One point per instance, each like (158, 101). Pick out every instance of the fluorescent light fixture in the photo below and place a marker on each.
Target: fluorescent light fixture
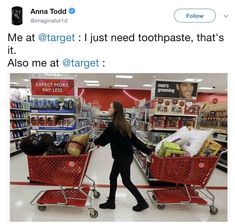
(124, 76)
(206, 88)
(121, 85)
(92, 84)
(193, 80)
(53, 75)
(26, 80)
(14, 83)
(91, 81)
(147, 85)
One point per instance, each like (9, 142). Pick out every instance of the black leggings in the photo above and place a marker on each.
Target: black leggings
(123, 167)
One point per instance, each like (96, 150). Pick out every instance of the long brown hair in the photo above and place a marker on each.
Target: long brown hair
(119, 121)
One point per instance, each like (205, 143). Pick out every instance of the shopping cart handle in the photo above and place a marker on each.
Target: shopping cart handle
(223, 152)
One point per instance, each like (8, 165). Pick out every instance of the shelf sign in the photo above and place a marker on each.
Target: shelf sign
(175, 89)
(53, 87)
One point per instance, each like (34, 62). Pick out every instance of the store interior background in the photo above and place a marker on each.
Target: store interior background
(138, 87)
(212, 91)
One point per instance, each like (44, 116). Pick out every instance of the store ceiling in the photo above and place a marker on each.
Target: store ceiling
(219, 80)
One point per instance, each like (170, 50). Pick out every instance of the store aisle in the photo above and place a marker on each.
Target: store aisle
(98, 169)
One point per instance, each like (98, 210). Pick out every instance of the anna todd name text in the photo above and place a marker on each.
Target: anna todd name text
(48, 11)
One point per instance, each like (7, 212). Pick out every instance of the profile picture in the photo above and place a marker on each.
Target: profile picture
(16, 15)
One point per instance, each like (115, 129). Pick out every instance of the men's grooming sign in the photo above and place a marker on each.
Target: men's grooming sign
(175, 89)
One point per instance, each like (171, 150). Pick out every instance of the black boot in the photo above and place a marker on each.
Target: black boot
(110, 204)
(140, 206)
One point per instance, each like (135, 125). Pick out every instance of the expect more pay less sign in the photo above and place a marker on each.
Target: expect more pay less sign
(53, 87)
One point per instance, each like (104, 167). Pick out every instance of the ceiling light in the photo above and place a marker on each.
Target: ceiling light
(14, 83)
(206, 88)
(53, 75)
(193, 80)
(92, 84)
(121, 85)
(147, 85)
(91, 81)
(124, 76)
(26, 80)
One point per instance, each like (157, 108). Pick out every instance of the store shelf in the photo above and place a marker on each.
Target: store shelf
(47, 128)
(175, 114)
(15, 152)
(27, 110)
(15, 129)
(54, 112)
(220, 130)
(18, 119)
(164, 129)
(221, 164)
(145, 141)
(219, 140)
(84, 127)
(15, 139)
(83, 118)
(144, 171)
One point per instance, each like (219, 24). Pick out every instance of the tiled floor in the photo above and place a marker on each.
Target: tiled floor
(98, 169)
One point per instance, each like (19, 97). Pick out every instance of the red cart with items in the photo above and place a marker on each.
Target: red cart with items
(190, 174)
(63, 170)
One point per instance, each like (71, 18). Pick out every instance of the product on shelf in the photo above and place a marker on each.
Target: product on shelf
(215, 119)
(19, 105)
(210, 148)
(53, 104)
(175, 106)
(172, 122)
(220, 136)
(156, 137)
(191, 108)
(52, 121)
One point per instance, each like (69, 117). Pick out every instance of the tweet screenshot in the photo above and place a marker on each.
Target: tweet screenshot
(117, 111)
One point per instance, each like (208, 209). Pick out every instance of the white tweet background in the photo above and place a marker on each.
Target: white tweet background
(116, 17)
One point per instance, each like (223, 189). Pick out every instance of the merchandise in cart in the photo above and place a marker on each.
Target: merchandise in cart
(190, 174)
(63, 170)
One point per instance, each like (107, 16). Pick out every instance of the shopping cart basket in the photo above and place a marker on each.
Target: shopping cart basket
(62, 170)
(190, 174)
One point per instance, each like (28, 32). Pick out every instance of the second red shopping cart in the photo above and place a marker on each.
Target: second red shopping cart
(190, 174)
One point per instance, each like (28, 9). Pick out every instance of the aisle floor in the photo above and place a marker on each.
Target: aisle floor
(22, 192)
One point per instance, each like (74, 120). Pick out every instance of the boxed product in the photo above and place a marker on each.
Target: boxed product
(34, 120)
(222, 137)
(170, 148)
(191, 108)
(210, 148)
(168, 106)
(42, 120)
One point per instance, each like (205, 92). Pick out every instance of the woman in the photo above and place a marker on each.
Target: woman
(119, 135)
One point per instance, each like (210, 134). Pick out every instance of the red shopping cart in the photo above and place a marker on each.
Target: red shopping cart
(62, 170)
(190, 174)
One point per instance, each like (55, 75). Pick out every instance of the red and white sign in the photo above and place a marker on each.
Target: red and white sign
(53, 87)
